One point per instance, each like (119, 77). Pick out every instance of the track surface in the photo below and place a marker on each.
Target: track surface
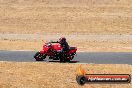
(82, 57)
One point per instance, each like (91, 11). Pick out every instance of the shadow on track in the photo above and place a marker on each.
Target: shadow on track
(65, 62)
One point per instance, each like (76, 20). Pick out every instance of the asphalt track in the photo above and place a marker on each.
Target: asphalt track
(82, 57)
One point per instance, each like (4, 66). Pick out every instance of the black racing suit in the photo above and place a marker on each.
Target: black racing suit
(65, 46)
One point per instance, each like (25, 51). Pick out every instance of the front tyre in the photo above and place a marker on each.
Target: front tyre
(39, 57)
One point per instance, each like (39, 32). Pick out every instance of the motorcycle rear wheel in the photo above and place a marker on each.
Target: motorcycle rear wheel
(62, 60)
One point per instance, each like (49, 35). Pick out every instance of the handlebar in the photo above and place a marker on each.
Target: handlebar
(54, 42)
(49, 43)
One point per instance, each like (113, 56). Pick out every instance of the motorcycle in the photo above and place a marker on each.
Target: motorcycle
(53, 51)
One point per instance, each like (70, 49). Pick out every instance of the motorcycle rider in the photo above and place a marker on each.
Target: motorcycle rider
(64, 44)
(62, 41)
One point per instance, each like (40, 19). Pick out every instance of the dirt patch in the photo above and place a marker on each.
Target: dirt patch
(66, 17)
(54, 75)
(82, 16)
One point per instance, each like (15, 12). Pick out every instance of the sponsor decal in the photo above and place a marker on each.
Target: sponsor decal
(82, 77)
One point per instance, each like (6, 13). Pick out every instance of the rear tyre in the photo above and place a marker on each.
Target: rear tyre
(67, 60)
(62, 60)
(39, 57)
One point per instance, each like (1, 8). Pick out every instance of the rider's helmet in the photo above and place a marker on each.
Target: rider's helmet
(62, 40)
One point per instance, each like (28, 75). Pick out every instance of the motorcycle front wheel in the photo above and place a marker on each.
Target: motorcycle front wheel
(39, 57)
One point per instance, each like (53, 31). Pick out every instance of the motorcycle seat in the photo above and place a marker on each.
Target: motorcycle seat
(72, 48)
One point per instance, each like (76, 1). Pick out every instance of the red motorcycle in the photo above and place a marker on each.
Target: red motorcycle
(53, 51)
